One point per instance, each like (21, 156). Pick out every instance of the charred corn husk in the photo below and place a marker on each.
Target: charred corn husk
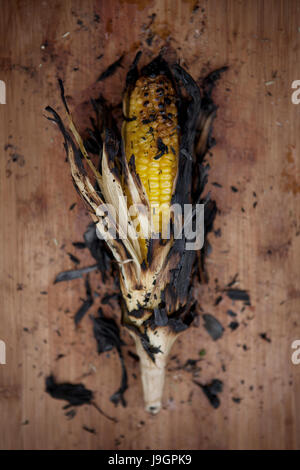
(141, 173)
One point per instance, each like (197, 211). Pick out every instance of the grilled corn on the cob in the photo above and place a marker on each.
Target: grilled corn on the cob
(149, 167)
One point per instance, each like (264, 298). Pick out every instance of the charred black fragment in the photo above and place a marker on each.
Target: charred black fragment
(233, 325)
(79, 245)
(74, 258)
(74, 394)
(213, 326)
(233, 280)
(265, 337)
(111, 69)
(238, 295)
(90, 430)
(211, 391)
(218, 300)
(87, 303)
(74, 273)
(107, 335)
(231, 313)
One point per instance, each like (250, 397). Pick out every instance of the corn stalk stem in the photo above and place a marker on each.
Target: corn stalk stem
(153, 373)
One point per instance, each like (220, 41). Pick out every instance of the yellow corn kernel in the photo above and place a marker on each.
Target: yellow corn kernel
(151, 135)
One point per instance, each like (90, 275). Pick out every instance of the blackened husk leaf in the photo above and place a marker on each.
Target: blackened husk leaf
(87, 303)
(99, 250)
(74, 394)
(107, 335)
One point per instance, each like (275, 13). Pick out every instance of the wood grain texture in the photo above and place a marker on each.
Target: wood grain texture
(257, 151)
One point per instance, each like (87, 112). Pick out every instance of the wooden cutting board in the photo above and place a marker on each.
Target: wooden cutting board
(256, 162)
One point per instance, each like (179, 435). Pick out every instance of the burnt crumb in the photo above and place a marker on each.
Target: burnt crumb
(234, 189)
(18, 158)
(25, 423)
(191, 365)
(231, 313)
(238, 295)
(217, 185)
(111, 69)
(218, 233)
(90, 430)
(265, 337)
(20, 286)
(213, 326)
(255, 204)
(15, 157)
(196, 8)
(233, 325)
(245, 347)
(73, 258)
(59, 356)
(71, 414)
(233, 280)
(236, 399)
(72, 206)
(211, 391)
(218, 300)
